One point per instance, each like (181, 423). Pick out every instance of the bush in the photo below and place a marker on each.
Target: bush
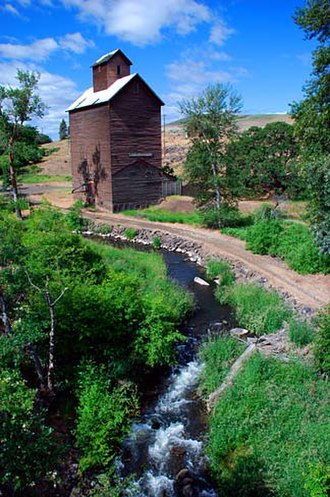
(75, 219)
(217, 268)
(28, 449)
(103, 416)
(156, 242)
(263, 237)
(227, 216)
(267, 212)
(130, 233)
(300, 332)
(258, 310)
(322, 342)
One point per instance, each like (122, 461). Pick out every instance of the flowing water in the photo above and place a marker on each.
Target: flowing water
(165, 448)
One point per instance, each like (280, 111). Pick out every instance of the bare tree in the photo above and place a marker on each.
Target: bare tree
(51, 303)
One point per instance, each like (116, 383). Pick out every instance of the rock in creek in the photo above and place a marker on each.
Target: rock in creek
(200, 281)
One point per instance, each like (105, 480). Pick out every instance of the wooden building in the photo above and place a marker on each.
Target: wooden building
(115, 130)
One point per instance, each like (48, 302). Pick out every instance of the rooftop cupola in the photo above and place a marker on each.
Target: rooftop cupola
(108, 68)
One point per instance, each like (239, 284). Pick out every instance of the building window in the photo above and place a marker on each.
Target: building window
(118, 70)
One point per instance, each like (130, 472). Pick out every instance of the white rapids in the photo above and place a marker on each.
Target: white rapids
(168, 438)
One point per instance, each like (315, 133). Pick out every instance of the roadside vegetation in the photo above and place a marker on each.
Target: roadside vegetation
(164, 216)
(269, 432)
(82, 323)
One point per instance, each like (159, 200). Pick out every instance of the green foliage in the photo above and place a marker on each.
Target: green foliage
(130, 233)
(104, 416)
(300, 332)
(218, 354)
(75, 218)
(210, 121)
(217, 268)
(263, 237)
(291, 241)
(258, 310)
(103, 229)
(318, 480)
(226, 216)
(264, 159)
(268, 429)
(312, 114)
(322, 342)
(28, 449)
(156, 242)
(164, 216)
(318, 175)
(63, 130)
(267, 212)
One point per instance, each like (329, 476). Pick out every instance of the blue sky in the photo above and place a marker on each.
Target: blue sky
(177, 46)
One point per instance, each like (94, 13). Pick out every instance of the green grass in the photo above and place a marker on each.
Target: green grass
(260, 311)
(163, 216)
(218, 355)
(301, 333)
(270, 433)
(43, 178)
(291, 241)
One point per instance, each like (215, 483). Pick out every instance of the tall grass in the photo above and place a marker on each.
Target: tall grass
(218, 355)
(163, 216)
(270, 431)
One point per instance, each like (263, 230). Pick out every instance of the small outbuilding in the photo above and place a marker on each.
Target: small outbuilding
(115, 130)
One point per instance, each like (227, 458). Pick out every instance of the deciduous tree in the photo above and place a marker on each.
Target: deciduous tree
(17, 106)
(210, 124)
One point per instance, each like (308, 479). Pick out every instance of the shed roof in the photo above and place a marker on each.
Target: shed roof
(108, 56)
(90, 98)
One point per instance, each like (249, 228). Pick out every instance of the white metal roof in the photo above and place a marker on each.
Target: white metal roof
(89, 97)
(106, 57)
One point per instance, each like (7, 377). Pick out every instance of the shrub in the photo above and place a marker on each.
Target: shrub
(322, 341)
(300, 332)
(74, 218)
(103, 229)
(258, 310)
(227, 216)
(156, 242)
(130, 233)
(267, 212)
(263, 237)
(217, 268)
(103, 416)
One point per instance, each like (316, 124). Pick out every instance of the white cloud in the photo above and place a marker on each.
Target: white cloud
(42, 49)
(220, 32)
(56, 91)
(10, 9)
(142, 22)
(75, 42)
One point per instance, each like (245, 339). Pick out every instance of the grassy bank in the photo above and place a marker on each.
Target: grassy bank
(31, 178)
(270, 432)
(164, 216)
(290, 241)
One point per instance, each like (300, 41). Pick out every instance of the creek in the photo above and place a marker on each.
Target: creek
(165, 448)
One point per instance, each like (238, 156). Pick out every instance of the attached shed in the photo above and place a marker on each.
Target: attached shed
(115, 129)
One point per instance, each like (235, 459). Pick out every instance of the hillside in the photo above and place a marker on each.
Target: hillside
(174, 151)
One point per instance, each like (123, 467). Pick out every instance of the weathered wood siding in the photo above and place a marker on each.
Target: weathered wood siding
(135, 130)
(90, 153)
(137, 185)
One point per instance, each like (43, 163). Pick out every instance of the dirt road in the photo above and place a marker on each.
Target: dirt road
(310, 290)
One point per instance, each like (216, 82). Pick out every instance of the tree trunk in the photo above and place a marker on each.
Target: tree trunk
(51, 349)
(13, 180)
(217, 192)
(4, 315)
(37, 364)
